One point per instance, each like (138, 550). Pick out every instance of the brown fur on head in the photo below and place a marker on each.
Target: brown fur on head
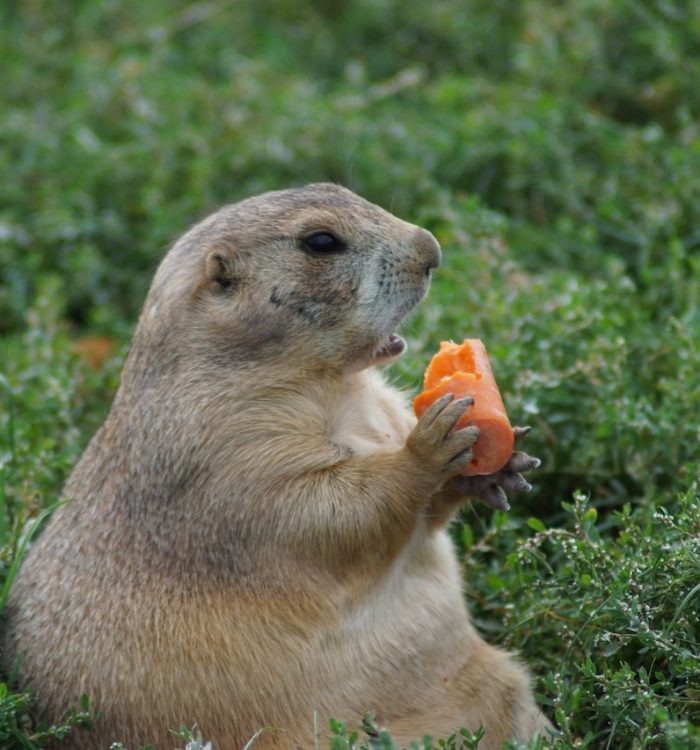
(256, 530)
(248, 286)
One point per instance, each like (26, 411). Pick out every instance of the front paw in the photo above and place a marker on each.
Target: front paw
(493, 489)
(434, 447)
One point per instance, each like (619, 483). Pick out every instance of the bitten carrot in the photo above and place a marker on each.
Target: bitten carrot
(465, 370)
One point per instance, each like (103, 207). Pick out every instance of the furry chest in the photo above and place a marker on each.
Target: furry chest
(369, 417)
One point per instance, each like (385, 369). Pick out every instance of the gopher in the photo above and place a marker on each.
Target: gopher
(256, 534)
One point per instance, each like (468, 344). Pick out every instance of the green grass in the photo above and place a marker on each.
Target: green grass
(554, 149)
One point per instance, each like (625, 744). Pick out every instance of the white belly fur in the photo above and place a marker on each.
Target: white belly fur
(411, 625)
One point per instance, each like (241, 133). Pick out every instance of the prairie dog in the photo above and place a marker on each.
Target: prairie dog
(256, 532)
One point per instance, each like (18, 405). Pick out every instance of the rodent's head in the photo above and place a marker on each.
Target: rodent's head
(314, 276)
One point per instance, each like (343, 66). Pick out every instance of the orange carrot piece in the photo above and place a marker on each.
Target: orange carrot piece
(465, 370)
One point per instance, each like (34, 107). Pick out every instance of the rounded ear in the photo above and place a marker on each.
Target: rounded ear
(221, 271)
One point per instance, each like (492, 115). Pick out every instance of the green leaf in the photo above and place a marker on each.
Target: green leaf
(22, 549)
(467, 536)
(536, 524)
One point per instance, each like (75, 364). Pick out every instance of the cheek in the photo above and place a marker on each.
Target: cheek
(323, 296)
(240, 330)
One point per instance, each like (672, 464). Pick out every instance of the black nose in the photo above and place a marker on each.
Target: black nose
(429, 250)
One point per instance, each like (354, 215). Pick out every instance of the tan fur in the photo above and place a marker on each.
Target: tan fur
(250, 539)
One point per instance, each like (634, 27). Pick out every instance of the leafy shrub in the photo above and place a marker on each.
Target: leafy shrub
(608, 611)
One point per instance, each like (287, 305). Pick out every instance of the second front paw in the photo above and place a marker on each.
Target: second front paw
(493, 489)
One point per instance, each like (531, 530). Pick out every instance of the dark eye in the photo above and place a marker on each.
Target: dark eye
(322, 242)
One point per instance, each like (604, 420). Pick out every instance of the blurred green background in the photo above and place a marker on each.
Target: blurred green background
(552, 147)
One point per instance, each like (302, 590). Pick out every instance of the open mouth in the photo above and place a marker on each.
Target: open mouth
(389, 347)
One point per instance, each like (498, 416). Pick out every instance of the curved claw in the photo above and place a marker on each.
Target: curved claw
(521, 432)
(513, 483)
(522, 462)
(495, 497)
(488, 489)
